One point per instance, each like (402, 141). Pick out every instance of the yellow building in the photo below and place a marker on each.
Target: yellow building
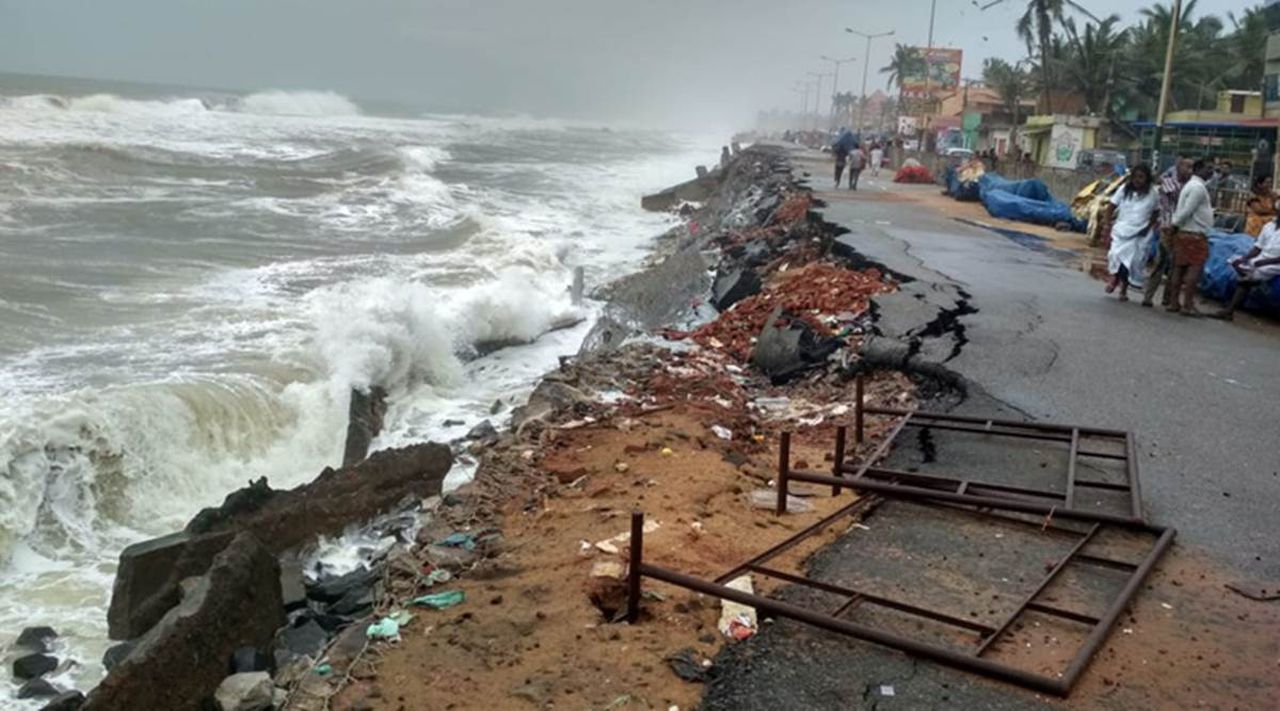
(1233, 106)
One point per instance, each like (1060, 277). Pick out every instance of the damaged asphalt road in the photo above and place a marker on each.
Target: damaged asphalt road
(1029, 336)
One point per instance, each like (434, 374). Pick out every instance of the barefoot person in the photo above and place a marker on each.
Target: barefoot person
(1255, 267)
(1171, 184)
(877, 158)
(857, 161)
(1134, 214)
(1191, 223)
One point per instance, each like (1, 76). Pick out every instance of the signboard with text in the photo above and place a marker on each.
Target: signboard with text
(942, 66)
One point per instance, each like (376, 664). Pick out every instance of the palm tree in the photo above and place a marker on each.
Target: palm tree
(1092, 65)
(1249, 47)
(1011, 82)
(906, 62)
(1036, 27)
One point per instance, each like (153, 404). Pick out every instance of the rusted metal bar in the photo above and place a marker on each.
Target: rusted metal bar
(778, 608)
(786, 545)
(838, 459)
(847, 605)
(914, 492)
(858, 408)
(1131, 461)
(922, 421)
(1071, 467)
(1090, 484)
(1048, 427)
(953, 484)
(634, 565)
(876, 600)
(1013, 616)
(1098, 635)
(784, 469)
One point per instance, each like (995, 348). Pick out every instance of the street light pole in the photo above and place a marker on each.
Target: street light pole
(1175, 24)
(866, 62)
(817, 99)
(835, 84)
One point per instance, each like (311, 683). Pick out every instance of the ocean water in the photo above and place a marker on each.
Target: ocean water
(192, 282)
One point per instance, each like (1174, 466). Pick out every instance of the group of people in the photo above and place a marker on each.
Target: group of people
(1181, 208)
(849, 153)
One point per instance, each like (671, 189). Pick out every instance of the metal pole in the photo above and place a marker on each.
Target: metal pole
(862, 100)
(633, 565)
(1175, 23)
(838, 465)
(784, 472)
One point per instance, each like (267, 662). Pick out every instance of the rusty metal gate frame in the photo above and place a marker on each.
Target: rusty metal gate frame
(870, 477)
(940, 491)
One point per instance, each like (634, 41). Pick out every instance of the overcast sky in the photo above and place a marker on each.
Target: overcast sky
(686, 62)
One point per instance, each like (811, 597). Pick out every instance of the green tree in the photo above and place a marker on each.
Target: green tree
(1092, 62)
(1012, 83)
(1036, 26)
(1248, 47)
(906, 62)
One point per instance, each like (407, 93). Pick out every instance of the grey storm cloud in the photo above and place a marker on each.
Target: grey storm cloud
(667, 61)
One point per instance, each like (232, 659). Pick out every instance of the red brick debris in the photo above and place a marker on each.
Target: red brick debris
(819, 293)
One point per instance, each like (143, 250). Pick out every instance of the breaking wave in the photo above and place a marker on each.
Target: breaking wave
(267, 103)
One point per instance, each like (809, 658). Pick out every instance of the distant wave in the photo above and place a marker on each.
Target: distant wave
(297, 103)
(269, 103)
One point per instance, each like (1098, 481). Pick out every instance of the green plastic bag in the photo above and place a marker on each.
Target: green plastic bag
(440, 600)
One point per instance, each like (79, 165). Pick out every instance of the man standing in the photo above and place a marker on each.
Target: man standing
(877, 158)
(1192, 221)
(1170, 188)
(857, 161)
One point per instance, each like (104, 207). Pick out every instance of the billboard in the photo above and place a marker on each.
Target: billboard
(943, 66)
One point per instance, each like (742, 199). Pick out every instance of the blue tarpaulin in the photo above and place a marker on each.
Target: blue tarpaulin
(1218, 281)
(966, 191)
(1024, 201)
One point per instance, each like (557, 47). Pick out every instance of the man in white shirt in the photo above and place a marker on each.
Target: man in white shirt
(1191, 222)
(1255, 267)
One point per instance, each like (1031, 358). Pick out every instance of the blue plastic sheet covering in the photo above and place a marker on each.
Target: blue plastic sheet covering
(1031, 189)
(1218, 281)
(1025, 201)
(967, 191)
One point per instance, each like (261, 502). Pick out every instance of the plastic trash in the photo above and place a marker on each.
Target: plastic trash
(324, 669)
(385, 628)
(460, 540)
(437, 575)
(886, 690)
(722, 432)
(738, 621)
(441, 600)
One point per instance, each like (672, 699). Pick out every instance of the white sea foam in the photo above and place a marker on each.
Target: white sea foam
(298, 103)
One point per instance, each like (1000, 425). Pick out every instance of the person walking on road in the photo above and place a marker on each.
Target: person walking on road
(1171, 184)
(857, 161)
(1134, 214)
(877, 159)
(844, 143)
(1192, 221)
(1255, 267)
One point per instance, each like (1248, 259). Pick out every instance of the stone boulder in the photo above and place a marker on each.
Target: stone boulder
(250, 691)
(732, 286)
(66, 701)
(184, 657)
(783, 352)
(36, 639)
(364, 422)
(148, 581)
(37, 689)
(33, 666)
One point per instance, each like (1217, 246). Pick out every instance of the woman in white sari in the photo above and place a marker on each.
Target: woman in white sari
(1134, 213)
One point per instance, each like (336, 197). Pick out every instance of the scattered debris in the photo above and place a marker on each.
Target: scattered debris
(737, 621)
(441, 600)
(687, 666)
(1254, 590)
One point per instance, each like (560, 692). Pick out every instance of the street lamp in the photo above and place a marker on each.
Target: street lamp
(866, 62)
(817, 98)
(835, 84)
